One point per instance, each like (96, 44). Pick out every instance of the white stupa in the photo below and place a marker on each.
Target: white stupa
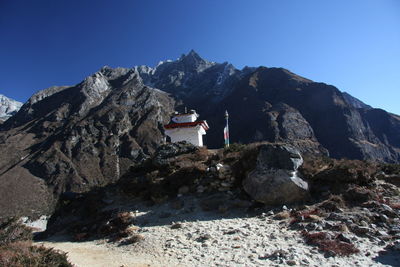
(184, 127)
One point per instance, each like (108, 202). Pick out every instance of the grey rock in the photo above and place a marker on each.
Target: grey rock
(337, 217)
(176, 226)
(344, 237)
(274, 180)
(203, 238)
(384, 218)
(360, 230)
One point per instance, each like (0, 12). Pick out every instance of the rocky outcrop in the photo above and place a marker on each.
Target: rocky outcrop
(274, 180)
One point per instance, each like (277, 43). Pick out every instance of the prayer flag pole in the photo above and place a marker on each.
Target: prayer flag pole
(226, 129)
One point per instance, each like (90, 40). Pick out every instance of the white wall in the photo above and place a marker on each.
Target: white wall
(193, 135)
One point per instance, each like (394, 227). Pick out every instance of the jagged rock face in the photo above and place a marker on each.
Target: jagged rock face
(8, 107)
(75, 138)
(274, 104)
(193, 80)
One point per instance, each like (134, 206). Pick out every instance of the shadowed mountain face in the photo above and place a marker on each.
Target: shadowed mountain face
(73, 138)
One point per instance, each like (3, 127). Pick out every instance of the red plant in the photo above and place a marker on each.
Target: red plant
(395, 205)
(386, 201)
(326, 243)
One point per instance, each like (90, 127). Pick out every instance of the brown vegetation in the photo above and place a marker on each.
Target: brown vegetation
(328, 171)
(333, 204)
(16, 249)
(133, 239)
(329, 244)
(305, 215)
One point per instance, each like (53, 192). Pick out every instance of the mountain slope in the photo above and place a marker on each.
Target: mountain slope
(337, 126)
(83, 136)
(340, 123)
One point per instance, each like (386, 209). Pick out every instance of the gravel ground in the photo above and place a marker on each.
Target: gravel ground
(190, 236)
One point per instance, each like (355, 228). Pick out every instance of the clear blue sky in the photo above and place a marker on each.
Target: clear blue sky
(354, 45)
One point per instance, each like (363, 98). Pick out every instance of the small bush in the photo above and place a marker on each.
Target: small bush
(11, 231)
(117, 227)
(235, 147)
(333, 204)
(305, 215)
(16, 249)
(22, 253)
(390, 168)
(395, 206)
(136, 238)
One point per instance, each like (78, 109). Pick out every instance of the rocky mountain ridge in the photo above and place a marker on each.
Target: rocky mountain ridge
(74, 138)
(341, 125)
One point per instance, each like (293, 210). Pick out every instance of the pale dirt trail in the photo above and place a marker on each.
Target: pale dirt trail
(94, 254)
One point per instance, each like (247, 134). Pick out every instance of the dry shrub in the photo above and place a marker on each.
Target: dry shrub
(202, 154)
(235, 147)
(395, 206)
(11, 231)
(391, 169)
(133, 239)
(359, 194)
(22, 253)
(313, 165)
(333, 204)
(16, 249)
(381, 199)
(242, 162)
(305, 215)
(117, 226)
(336, 176)
(326, 243)
(327, 170)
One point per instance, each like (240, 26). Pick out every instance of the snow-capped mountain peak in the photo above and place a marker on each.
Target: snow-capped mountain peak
(8, 107)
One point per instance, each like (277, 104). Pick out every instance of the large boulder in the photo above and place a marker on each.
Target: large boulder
(274, 180)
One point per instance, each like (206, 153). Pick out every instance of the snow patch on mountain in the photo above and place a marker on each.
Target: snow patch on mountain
(8, 107)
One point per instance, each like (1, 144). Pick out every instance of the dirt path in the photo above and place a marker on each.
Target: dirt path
(96, 254)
